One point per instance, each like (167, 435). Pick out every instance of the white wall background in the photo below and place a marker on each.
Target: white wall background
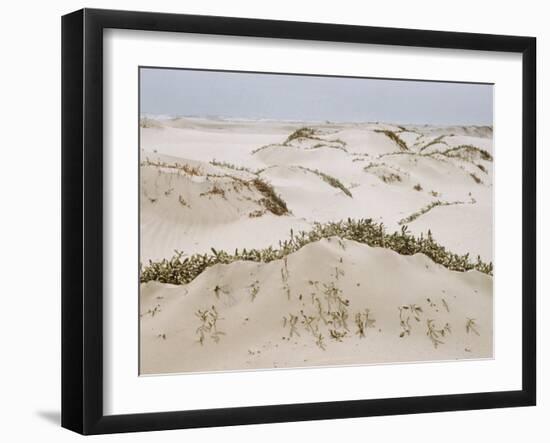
(30, 218)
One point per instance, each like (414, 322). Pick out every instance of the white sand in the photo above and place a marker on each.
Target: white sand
(180, 211)
(254, 334)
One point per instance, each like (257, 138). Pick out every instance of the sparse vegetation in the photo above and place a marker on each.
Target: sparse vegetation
(254, 289)
(188, 169)
(476, 178)
(154, 311)
(471, 326)
(261, 148)
(182, 201)
(214, 190)
(363, 321)
(284, 277)
(218, 290)
(256, 213)
(434, 142)
(394, 137)
(435, 334)
(331, 144)
(233, 167)
(291, 322)
(429, 207)
(417, 187)
(332, 181)
(208, 325)
(385, 172)
(390, 178)
(180, 270)
(302, 133)
(468, 153)
(405, 314)
(482, 168)
(337, 335)
(272, 202)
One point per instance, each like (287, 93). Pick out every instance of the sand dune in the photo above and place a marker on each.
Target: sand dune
(251, 303)
(227, 185)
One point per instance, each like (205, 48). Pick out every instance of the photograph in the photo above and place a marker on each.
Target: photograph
(293, 221)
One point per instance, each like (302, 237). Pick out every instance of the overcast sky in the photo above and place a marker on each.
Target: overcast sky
(178, 92)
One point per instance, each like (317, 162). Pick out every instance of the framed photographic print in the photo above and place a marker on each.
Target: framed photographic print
(269, 221)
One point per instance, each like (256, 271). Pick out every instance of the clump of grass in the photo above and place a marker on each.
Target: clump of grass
(336, 313)
(311, 325)
(435, 334)
(337, 335)
(256, 213)
(329, 179)
(219, 289)
(482, 168)
(476, 178)
(313, 134)
(386, 173)
(272, 202)
(333, 313)
(291, 322)
(254, 289)
(232, 166)
(471, 326)
(183, 202)
(214, 190)
(320, 341)
(405, 314)
(394, 137)
(208, 325)
(334, 299)
(390, 178)
(154, 311)
(338, 272)
(468, 153)
(180, 270)
(304, 132)
(363, 321)
(188, 169)
(417, 187)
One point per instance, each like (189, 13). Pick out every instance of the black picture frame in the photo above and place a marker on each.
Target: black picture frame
(82, 219)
